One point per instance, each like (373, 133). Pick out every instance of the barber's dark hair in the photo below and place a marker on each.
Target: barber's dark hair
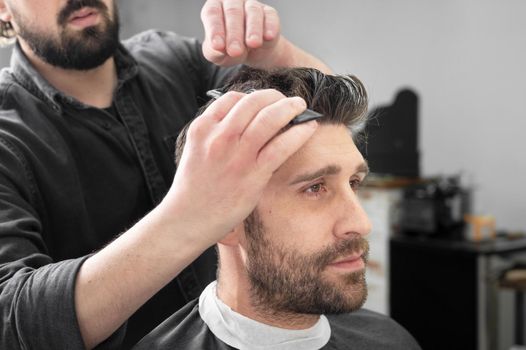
(6, 30)
(342, 99)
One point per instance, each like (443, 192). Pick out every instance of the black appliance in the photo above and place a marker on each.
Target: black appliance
(391, 135)
(434, 206)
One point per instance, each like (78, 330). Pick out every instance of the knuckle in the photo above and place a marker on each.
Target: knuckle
(222, 144)
(232, 98)
(215, 115)
(264, 98)
(211, 9)
(253, 6)
(268, 119)
(195, 129)
(232, 11)
(270, 10)
(275, 93)
(271, 157)
(234, 95)
(214, 148)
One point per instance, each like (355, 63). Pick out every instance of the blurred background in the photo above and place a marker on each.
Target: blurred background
(463, 63)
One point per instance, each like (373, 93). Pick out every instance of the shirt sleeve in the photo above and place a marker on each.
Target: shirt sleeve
(37, 306)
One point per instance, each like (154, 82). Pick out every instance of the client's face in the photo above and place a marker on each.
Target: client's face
(305, 245)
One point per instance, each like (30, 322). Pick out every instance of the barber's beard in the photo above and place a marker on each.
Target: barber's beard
(75, 49)
(284, 281)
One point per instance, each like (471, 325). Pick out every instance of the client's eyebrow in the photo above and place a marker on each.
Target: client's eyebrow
(328, 170)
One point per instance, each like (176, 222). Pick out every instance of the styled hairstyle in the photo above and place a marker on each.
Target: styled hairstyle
(342, 99)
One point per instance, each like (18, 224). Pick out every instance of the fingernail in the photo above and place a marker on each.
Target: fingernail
(218, 42)
(269, 34)
(253, 37)
(235, 46)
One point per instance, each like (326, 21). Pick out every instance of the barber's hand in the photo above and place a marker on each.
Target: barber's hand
(241, 32)
(230, 154)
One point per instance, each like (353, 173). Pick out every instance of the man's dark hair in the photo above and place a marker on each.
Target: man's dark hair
(342, 99)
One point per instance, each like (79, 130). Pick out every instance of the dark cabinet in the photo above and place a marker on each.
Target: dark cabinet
(445, 292)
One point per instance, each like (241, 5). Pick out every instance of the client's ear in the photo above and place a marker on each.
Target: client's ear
(232, 238)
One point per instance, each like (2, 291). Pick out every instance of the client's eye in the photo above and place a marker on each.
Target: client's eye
(315, 189)
(355, 184)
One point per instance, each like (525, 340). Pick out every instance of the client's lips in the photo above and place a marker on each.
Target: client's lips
(351, 262)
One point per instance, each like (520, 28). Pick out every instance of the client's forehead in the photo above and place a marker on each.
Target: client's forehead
(330, 145)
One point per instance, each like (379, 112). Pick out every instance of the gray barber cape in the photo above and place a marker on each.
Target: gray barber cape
(362, 329)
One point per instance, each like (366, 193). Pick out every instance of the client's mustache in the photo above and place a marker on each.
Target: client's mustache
(75, 5)
(341, 249)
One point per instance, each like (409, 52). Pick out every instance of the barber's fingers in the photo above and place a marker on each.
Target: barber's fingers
(234, 27)
(281, 147)
(269, 121)
(271, 29)
(214, 25)
(246, 110)
(261, 24)
(221, 107)
(234, 15)
(254, 24)
(214, 114)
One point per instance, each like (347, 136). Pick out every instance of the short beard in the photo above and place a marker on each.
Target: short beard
(284, 281)
(84, 50)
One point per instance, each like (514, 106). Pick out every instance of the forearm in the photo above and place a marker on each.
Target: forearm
(115, 282)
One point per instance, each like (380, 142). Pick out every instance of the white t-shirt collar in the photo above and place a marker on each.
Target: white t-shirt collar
(244, 333)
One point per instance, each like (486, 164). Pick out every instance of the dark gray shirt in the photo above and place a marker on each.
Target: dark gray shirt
(361, 330)
(72, 177)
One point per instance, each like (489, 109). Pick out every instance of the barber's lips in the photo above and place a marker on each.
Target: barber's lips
(84, 17)
(349, 263)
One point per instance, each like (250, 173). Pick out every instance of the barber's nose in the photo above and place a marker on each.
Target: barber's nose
(352, 218)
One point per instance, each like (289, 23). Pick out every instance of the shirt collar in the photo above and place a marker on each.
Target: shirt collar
(35, 83)
(244, 333)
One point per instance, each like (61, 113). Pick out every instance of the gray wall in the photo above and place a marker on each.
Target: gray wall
(466, 59)
(181, 16)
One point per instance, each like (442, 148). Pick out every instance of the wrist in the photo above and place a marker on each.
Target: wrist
(283, 54)
(184, 226)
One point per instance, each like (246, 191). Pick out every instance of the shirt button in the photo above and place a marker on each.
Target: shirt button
(106, 125)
